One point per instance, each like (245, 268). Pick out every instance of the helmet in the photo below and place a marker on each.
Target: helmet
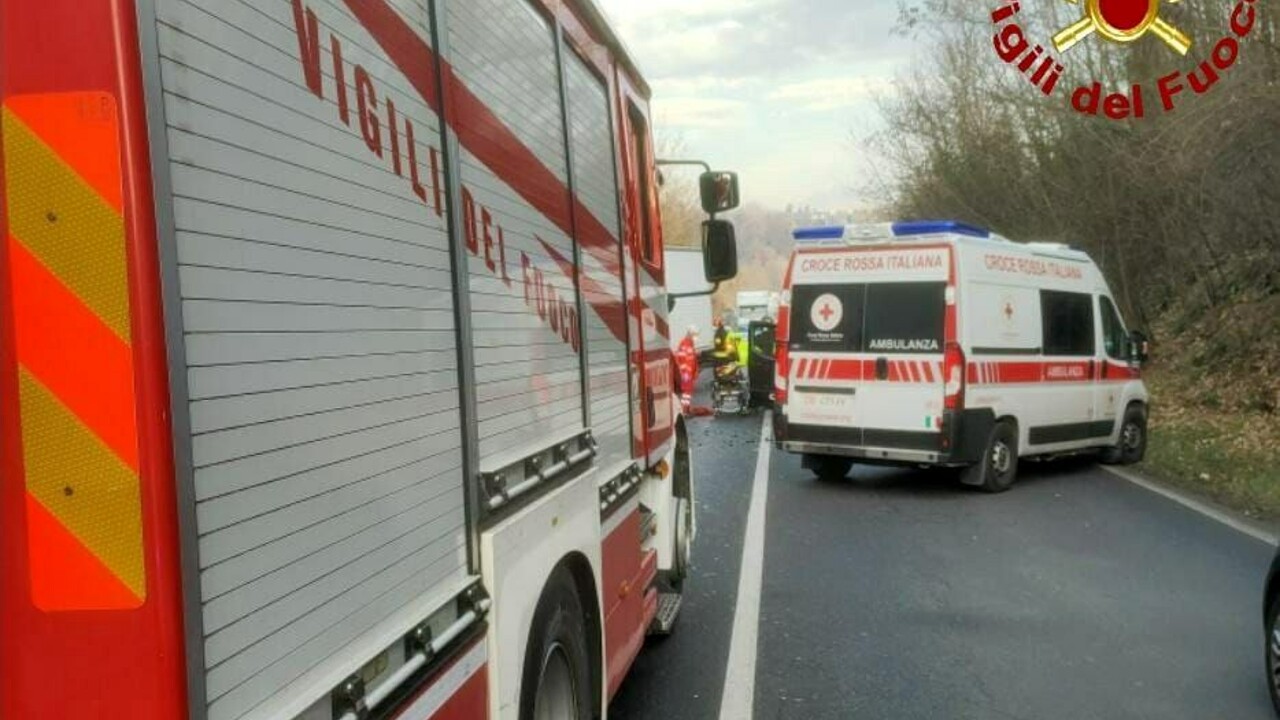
(693, 331)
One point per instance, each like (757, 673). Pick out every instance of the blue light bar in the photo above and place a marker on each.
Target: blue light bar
(830, 232)
(935, 227)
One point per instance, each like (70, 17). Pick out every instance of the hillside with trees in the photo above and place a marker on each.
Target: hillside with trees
(1181, 209)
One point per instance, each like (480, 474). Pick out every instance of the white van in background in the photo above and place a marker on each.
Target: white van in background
(753, 306)
(940, 344)
(685, 276)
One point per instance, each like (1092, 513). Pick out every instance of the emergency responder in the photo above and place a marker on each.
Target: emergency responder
(722, 348)
(687, 363)
(721, 337)
(731, 345)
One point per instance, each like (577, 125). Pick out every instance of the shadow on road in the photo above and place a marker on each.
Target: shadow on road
(927, 482)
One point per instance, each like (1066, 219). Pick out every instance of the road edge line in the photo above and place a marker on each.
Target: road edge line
(737, 702)
(1223, 517)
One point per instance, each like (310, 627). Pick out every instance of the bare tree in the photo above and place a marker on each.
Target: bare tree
(1181, 209)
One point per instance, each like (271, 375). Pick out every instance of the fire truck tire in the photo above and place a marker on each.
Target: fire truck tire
(998, 468)
(672, 581)
(556, 682)
(830, 468)
(1133, 439)
(683, 545)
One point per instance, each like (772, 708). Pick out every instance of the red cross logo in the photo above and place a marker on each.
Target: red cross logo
(826, 312)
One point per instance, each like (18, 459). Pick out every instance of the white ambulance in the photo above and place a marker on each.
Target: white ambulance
(941, 344)
(335, 376)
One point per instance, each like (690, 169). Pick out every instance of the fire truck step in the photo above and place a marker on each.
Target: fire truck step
(648, 524)
(668, 610)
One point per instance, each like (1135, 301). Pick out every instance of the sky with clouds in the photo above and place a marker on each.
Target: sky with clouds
(775, 89)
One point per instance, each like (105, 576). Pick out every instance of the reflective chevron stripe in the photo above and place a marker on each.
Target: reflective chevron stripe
(70, 295)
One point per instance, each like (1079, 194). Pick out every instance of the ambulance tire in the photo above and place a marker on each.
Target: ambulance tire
(557, 681)
(1133, 439)
(998, 468)
(832, 469)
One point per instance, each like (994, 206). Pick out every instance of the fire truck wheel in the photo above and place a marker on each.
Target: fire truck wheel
(1133, 439)
(832, 469)
(672, 581)
(556, 683)
(999, 465)
(684, 545)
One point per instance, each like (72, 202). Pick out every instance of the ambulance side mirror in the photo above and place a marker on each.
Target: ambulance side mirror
(719, 251)
(719, 191)
(1139, 347)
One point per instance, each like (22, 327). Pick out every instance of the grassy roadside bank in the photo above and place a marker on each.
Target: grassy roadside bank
(1215, 387)
(1232, 458)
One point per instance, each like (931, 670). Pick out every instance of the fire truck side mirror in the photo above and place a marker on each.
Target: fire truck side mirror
(719, 251)
(1139, 347)
(719, 191)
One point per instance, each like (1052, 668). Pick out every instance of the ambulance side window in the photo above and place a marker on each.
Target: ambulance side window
(1068, 323)
(1114, 337)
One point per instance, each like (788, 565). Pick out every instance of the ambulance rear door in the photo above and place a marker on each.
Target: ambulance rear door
(866, 351)
(826, 368)
(903, 339)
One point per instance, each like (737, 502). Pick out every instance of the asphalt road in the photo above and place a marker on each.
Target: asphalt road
(682, 676)
(899, 594)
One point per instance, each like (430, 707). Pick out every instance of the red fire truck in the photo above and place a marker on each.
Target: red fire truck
(334, 365)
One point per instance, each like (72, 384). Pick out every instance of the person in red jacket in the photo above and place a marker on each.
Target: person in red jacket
(687, 365)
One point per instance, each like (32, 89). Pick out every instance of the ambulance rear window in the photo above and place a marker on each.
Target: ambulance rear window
(880, 318)
(905, 317)
(827, 318)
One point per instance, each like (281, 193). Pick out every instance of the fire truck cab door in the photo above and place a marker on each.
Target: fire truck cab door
(647, 296)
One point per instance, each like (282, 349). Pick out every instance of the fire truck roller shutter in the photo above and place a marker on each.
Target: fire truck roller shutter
(595, 181)
(318, 337)
(523, 302)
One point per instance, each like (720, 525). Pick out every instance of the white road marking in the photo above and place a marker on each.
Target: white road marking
(1209, 511)
(740, 675)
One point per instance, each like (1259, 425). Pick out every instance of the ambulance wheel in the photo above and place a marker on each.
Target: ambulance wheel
(831, 469)
(556, 681)
(1133, 439)
(999, 465)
